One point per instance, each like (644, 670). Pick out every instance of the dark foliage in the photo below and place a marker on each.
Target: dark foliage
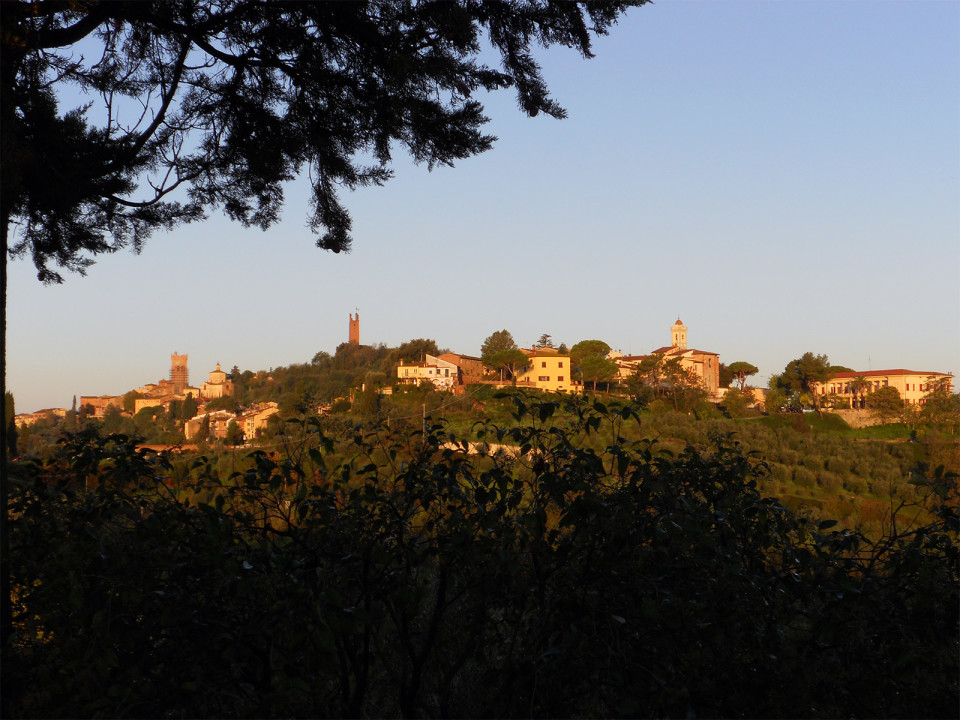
(386, 574)
(197, 104)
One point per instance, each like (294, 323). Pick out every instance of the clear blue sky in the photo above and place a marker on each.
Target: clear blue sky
(783, 176)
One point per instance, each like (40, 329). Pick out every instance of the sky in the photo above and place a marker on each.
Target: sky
(783, 177)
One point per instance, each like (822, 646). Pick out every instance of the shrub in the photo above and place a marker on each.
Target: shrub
(804, 477)
(831, 482)
(855, 485)
(381, 572)
(340, 405)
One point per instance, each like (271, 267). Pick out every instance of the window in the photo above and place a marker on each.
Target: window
(560, 378)
(544, 378)
(560, 365)
(543, 364)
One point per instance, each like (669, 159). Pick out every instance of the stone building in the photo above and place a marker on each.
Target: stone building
(100, 403)
(705, 364)
(218, 386)
(179, 374)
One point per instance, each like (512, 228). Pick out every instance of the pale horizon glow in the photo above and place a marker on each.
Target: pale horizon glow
(781, 176)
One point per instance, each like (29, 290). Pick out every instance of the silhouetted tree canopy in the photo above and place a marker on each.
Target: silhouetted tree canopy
(192, 105)
(592, 574)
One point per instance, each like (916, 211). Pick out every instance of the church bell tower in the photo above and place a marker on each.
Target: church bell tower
(678, 335)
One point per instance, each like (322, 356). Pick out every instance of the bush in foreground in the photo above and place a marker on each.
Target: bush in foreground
(388, 573)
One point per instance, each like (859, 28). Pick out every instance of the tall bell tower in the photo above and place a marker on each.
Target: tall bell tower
(678, 335)
(179, 375)
(354, 336)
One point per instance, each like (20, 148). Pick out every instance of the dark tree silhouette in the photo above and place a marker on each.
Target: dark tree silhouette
(196, 105)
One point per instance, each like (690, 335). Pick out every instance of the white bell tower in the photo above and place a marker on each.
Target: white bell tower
(678, 335)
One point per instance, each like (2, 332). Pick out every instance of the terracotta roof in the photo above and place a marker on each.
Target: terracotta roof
(460, 355)
(880, 373)
(542, 352)
(677, 322)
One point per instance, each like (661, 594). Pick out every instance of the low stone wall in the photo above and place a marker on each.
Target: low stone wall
(857, 418)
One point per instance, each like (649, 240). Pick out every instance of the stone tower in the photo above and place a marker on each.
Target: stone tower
(354, 337)
(678, 335)
(179, 375)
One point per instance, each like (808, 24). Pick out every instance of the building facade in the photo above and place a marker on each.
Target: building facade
(549, 371)
(100, 403)
(471, 369)
(443, 374)
(853, 387)
(705, 364)
(354, 334)
(218, 386)
(179, 374)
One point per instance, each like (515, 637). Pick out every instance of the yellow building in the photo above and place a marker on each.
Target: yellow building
(912, 385)
(706, 365)
(549, 371)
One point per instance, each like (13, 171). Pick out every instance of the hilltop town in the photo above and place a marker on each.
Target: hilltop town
(237, 407)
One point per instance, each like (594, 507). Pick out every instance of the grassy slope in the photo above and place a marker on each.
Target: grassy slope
(816, 465)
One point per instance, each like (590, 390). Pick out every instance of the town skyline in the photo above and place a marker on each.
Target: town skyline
(354, 336)
(781, 176)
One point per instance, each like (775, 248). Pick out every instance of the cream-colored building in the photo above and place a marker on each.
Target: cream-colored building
(549, 371)
(218, 421)
(913, 385)
(251, 422)
(443, 374)
(705, 364)
(218, 386)
(255, 421)
(25, 419)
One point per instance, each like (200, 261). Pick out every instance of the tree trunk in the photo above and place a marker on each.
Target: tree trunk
(6, 600)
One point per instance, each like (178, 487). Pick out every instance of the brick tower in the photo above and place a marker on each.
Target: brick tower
(354, 337)
(179, 375)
